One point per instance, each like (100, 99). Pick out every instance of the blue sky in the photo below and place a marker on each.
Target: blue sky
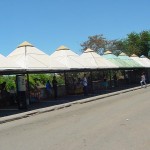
(47, 24)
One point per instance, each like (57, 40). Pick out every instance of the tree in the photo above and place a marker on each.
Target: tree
(96, 43)
(135, 43)
(100, 44)
(145, 42)
(119, 46)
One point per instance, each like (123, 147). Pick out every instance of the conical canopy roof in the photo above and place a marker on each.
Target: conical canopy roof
(145, 60)
(92, 60)
(107, 52)
(133, 55)
(25, 43)
(62, 47)
(114, 59)
(67, 57)
(2, 57)
(129, 61)
(138, 60)
(8, 65)
(32, 59)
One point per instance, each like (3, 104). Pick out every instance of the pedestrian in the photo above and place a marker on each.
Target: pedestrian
(48, 89)
(3, 86)
(127, 78)
(54, 83)
(37, 91)
(85, 85)
(143, 80)
(3, 90)
(115, 80)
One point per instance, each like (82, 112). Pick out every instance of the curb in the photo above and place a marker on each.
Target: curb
(61, 106)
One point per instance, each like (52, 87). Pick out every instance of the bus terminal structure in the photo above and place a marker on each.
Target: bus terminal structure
(104, 72)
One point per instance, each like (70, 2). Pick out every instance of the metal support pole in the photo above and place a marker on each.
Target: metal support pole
(110, 78)
(65, 82)
(91, 82)
(28, 88)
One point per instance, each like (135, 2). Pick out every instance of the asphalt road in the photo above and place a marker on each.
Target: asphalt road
(120, 122)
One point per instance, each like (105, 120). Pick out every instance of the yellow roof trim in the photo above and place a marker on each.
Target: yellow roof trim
(122, 54)
(107, 52)
(25, 43)
(134, 55)
(88, 50)
(62, 47)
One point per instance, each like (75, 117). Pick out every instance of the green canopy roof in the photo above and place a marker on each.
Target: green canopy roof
(116, 60)
(131, 63)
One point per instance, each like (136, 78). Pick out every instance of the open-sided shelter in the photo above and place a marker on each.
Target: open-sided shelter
(140, 61)
(129, 61)
(116, 60)
(92, 60)
(7, 66)
(32, 59)
(67, 57)
(145, 60)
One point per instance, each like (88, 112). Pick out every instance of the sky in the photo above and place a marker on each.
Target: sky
(48, 24)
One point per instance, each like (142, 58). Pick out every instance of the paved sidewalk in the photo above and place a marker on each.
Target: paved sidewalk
(51, 105)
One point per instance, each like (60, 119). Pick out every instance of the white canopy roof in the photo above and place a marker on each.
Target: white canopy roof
(140, 61)
(67, 57)
(145, 60)
(92, 60)
(6, 65)
(32, 59)
(2, 57)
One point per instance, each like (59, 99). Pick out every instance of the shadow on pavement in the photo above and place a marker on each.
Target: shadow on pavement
(11, 110)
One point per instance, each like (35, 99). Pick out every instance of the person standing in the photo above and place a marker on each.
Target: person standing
(48, 89)
(115, 80)
(54, 83)
(85, 85)
(3, 87)
(143, 80)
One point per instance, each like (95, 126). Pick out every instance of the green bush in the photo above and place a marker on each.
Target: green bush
(10, 81)
(34, 79)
